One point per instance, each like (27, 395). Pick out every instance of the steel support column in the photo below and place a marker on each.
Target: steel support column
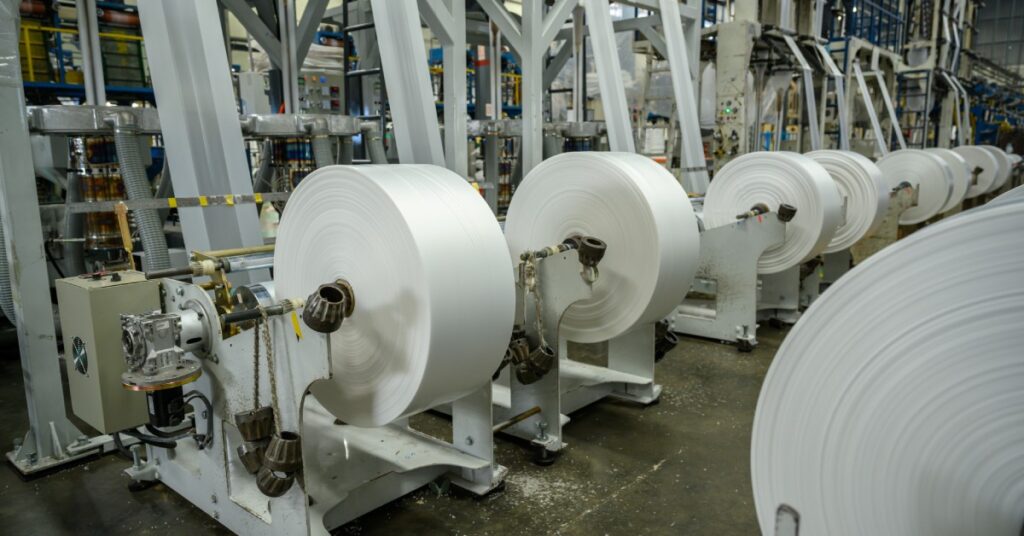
(447, 20)
(19, 216)
(403, 59)
(609, 76)
(693, 166)
(199, 120)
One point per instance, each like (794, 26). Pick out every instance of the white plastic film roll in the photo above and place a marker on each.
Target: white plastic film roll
(1011, 194)
(641, 212)
(961, 175)
(431, 276)
(978, 157)
(895, 405)
(863, 187)
(925, 170)
(1004, 169)
(772, 179)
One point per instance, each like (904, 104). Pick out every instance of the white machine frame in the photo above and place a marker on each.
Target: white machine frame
(348, 470)
(728, 270)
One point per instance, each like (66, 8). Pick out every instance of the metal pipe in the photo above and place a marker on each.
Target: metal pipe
(516, 419)
(322, 154)
(234, 252)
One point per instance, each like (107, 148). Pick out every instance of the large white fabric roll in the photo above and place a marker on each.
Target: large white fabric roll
(925, 170)
(895, 405)
(978, 157)
(433, 285)
(961, 175)
(1004, 167)
(865, 191)
(771, 179)
(638, 208)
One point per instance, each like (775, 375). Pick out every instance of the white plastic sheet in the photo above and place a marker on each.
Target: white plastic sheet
(771, 179)
(864, 189)
(895, 405)
(641, 212)
(432, 280)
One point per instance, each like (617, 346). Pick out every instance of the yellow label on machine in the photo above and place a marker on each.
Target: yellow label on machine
(229, 200)
(295, 325)
(172, 202)
(203, 201)
(258, 197)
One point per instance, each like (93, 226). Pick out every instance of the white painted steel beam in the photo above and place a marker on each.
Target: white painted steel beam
(609, 76)
(199, 121)
(694, 173)
(19, 215)
(403, 60)
(447, 19)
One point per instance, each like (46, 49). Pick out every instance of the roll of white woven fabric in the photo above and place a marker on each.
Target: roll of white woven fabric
(863, 188)
(641, 212)
(979, 158)
(773, 178)
(961, 175)
(922, 169)
(433, 285)
(1004, 170)
(895, 406)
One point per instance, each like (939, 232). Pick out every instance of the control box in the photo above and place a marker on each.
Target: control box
(90, 312)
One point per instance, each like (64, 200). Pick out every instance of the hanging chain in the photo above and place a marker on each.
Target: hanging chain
(256, 366)
(271, 369)
(533, 287)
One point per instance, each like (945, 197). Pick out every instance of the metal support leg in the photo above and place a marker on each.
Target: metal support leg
(780, 296)
(722, 304)
(33, 318)
(876, 127)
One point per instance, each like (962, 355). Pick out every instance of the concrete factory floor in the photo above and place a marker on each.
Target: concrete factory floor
(679, 467)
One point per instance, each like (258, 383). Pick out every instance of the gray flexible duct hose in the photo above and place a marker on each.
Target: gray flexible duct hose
(74, 227)
(322, 154)
(347, 151)
(6, 298)
(136, 185)
(374, 143)
(262, 182)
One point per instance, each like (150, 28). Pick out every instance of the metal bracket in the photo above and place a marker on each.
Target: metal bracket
(722, 302)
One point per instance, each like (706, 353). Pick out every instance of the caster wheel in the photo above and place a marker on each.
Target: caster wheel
(744, 346)
(544, 457)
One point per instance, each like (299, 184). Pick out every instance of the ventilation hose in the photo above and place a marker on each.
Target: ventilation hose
(322, 154)
(136, 185)
(373, 143)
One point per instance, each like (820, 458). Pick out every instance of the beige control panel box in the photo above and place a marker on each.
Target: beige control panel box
(90, 312)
